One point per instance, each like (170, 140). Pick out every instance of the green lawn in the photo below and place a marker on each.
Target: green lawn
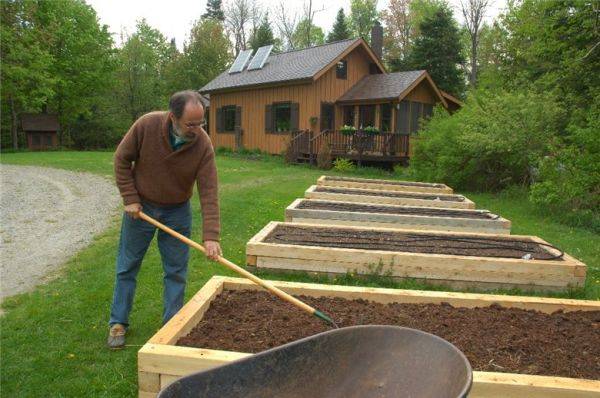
(53, 339)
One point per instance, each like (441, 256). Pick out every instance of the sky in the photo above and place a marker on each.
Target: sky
(174, 18)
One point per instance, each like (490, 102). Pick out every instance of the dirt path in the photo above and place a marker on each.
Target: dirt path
(47, 215)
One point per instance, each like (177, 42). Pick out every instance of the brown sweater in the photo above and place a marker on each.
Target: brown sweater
(147, 168)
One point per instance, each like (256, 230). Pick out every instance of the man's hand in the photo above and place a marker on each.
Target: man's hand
(213, 249)
(133, 210)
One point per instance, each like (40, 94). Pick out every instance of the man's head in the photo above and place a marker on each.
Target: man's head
(186, 113)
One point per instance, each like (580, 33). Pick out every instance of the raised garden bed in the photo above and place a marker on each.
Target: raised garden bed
(374, 196)
(389, 216)
(389, 185)
(482, 261)
(511, 338)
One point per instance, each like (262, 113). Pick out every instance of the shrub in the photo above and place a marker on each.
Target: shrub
(324, 159)
(568, 183)
(495, 141)
(343, 165)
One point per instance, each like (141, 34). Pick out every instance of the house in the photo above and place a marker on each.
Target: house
(41, 130)
(305, 96)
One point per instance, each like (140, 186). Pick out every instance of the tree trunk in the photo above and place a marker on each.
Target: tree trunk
(13, 125)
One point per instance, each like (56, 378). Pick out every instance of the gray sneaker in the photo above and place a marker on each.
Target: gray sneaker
(116, 336)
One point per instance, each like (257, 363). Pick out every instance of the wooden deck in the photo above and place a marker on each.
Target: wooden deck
(360, 146)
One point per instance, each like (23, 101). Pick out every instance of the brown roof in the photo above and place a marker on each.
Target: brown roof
(451, 98)
(381, 86)
(39, 122)
(292, 66)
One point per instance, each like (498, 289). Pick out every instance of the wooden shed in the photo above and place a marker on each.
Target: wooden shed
(41, 130)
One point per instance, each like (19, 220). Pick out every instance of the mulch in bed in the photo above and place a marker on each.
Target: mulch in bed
(388, 182)
(393, 194)
(494, 339)
(417, 211)
(396, 241)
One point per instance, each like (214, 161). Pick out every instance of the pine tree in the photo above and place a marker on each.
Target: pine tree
(263, 35)
(214, 10)
(437, 49)
(340, 29)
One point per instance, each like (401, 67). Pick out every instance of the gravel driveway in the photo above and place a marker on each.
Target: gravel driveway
(47, 216)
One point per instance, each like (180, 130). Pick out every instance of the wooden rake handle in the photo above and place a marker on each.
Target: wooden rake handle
(276, 291)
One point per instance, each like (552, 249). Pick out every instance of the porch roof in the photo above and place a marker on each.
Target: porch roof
(381, 86)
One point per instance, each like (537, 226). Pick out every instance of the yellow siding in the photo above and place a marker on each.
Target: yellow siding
(309, 97)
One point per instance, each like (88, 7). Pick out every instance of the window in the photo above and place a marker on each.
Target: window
(341, 69)
(403, 117)
(228, 115)
(415, 114)
(327, 115)
(36, 139)
(349, 115)
(366, 116)
(282, 117)
(386, 117)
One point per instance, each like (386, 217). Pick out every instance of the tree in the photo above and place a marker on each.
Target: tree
(263, 35)
(315, 37)
(340, 29)
(206, 55)
(142, 61)
(286, 24)
(398, 30)
(26, 82)
(214, 10)
(473, 11)
(239, 15)
(438, 50)
(363, 14)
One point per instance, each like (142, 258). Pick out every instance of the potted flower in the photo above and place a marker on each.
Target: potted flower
(348, 130)
(370, 130)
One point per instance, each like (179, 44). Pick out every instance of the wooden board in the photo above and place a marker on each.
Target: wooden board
(311, 193)
(386, 220)
(386, 185)
(472, 271)
(163, 363)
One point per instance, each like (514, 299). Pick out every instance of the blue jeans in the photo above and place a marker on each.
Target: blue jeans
(136, 236)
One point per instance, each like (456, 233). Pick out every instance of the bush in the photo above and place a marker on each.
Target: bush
(494, 141)
(343, 165)
(324, 159)
(289, 153)
(569, 181)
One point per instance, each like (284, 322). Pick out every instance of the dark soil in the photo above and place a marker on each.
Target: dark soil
(494, 339)
(418, 211)
(416, 242)
(387, 182)
(392, 194)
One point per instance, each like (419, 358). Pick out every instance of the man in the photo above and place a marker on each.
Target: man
(156, 165)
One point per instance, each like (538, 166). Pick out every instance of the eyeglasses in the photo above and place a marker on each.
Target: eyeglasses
(196, 125)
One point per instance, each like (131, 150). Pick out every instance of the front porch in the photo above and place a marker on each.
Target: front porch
(392, 148)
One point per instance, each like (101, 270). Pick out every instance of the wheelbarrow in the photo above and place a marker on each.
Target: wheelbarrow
(359, 361)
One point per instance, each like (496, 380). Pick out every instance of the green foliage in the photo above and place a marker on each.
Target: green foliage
(370, 130)
(340, 29)
(438, 50)
(263, 35)
(205, 56)
(214, 10)
(307, 35)
(569, 180)
(347, 130)
(363, 14)
(343, 165)
(494, 142)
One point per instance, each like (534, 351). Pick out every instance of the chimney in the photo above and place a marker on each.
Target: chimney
(377, 39)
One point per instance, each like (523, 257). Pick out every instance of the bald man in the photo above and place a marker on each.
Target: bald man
(156, 166)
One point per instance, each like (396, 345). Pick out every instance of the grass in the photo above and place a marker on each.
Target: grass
(53, 339)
